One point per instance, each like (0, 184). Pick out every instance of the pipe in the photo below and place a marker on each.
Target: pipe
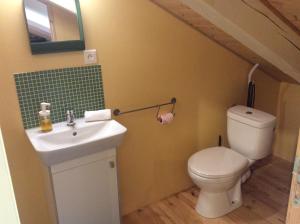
(251, 72)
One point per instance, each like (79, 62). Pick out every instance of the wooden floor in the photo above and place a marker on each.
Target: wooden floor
(265, 197)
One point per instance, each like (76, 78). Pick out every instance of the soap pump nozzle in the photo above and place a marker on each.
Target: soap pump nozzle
(45, 107)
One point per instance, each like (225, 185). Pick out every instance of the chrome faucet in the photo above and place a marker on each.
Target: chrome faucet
(70, 118)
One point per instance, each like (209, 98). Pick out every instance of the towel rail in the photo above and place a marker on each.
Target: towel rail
(117, 112)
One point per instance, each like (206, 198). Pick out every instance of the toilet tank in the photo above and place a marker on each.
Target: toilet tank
(250, 131)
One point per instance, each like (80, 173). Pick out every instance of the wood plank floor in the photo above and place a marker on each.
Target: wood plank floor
(265, 197)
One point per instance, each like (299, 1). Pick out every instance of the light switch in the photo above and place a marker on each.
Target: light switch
(90, 56)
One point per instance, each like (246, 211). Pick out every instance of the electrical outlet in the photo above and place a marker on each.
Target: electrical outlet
(90, 56)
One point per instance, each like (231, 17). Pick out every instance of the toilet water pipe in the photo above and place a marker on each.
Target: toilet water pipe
(251, 72)
(251, 87)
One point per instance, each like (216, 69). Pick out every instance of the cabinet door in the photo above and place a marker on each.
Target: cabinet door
(87, 194)
(293, 214)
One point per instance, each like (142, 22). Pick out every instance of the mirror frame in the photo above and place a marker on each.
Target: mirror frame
(59, 46)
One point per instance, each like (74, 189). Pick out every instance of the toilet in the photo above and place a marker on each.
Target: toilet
(220, 171)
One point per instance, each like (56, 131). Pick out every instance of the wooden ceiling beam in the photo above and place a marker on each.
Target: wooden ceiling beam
(287, 11)
(193, 18)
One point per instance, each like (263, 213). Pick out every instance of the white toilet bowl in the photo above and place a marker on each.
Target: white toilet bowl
(217, 172)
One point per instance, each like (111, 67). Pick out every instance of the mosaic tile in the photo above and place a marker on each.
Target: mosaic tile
(77, 89)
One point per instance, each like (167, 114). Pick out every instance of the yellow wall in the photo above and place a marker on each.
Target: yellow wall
(267, 92)
(288, 121)
(147, 56)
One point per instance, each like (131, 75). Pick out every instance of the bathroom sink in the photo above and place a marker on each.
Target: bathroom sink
(67, 143)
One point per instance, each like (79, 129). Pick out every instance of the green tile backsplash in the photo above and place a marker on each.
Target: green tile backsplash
(79, 89)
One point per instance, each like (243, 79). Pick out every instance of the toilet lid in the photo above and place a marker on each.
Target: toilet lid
(217, 162)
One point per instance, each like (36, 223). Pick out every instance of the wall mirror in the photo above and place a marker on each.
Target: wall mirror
(54, 25)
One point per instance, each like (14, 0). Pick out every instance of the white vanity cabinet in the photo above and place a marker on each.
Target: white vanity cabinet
(86, 189)
(81, 170)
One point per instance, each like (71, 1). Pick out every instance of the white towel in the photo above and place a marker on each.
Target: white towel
(98, 115)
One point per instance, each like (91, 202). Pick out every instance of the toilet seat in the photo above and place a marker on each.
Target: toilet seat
(217, 163)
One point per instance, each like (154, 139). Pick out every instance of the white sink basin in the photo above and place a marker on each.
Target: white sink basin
(67, 143)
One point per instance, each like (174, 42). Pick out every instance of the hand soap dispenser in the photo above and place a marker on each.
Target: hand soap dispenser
(44, 116)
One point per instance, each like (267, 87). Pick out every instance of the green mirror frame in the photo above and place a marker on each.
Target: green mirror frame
(59, 46)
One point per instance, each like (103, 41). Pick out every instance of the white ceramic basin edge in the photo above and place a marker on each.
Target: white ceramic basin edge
(66, 143)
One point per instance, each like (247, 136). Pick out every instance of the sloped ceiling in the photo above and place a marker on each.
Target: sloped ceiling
(287, 10)
(260, 31)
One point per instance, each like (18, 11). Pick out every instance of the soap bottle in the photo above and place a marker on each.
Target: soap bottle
(44, 117)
